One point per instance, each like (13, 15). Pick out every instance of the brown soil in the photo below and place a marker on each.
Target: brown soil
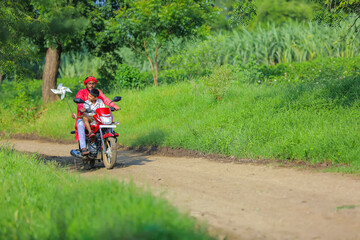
(238, 200)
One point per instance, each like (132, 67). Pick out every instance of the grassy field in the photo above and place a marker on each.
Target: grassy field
(288, 92)
(315, 121)
(43, 201)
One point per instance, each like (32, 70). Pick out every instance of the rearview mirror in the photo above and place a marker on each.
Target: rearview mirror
(116, 99)
(78, 100)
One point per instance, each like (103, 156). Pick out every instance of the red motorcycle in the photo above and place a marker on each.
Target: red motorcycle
(102, 147)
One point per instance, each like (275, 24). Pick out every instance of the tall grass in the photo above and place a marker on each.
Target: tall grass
(290, 42)
(40, 201)
(74, 65)
(269, 45)
(311, 114)
(310, 121)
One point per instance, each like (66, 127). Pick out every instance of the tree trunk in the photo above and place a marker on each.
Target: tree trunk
(51, 68)
(156, 79)
(152, 70)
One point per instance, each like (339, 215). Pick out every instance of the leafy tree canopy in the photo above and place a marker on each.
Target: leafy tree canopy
(161, 20)
(140, 24)
(276, 11)
(15, 50)
(58, 22)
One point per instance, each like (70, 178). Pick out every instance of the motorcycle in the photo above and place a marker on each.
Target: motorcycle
(102, 147)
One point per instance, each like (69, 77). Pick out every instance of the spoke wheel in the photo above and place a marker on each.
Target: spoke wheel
(110, 155)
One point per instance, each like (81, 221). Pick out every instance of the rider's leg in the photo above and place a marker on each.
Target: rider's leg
(87, 123)
(81, 132)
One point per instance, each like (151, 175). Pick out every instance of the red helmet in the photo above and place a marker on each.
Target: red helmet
(90, 78)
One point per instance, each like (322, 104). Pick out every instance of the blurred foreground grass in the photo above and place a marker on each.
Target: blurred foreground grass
(42, 201)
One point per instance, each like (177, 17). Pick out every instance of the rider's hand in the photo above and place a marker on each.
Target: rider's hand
(74, 116)
(82, 110)
(117, 108)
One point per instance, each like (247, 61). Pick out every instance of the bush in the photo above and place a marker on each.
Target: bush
(280, 11)
(23, 100)
(129, 77)
(250, 72)
(312, 71)
(108, 69)
(219, 81)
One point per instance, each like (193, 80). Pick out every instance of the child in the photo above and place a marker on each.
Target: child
(90, 107)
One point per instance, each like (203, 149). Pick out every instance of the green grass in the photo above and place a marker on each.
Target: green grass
(313, 122)
(250, 122)
(309, 114)
(43, 201)
(290, 42)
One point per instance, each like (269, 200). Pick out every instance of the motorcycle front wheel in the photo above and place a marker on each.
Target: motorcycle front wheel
(110, 155)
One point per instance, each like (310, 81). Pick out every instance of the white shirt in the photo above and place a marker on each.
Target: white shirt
(91, 108)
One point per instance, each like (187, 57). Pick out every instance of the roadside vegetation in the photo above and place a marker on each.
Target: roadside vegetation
(261, 79)
(296, 111)
(44, 201)
(212, 99)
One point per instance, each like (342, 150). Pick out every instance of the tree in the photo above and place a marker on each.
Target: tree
(147, 25)
(221, 19)
(276, 11)
(328, 11)
(348, 6)
(244, 12)
(14, 48)
(101, 42)
(57, 25)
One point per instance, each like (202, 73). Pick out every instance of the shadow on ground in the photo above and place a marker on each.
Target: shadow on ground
(124, 159)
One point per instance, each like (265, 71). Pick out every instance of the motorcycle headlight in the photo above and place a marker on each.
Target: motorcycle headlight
(106, 120)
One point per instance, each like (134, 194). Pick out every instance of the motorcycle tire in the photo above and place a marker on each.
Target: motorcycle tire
(110, 157)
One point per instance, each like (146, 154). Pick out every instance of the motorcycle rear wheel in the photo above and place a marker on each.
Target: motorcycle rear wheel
(110, 156)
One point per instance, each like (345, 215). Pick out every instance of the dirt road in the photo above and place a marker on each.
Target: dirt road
(241, 201)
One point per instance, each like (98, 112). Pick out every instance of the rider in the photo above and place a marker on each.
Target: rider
(91, 105)
(90, 83)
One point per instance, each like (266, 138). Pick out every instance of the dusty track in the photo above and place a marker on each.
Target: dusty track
(240, 200)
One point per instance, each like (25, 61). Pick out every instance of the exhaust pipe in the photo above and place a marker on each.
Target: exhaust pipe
(76, 154)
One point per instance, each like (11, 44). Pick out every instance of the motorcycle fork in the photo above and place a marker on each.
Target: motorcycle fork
(102, 140)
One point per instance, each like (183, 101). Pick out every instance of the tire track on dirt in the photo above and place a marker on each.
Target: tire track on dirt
(241, 201)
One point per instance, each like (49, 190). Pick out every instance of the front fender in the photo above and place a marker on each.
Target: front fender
(106, 135)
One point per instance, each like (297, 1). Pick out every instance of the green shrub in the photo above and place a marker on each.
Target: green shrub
(312, 71)
(23, 100)
(281, 11)
(177, 74)
(218, 82)
(198, 58)
(250, 72)
(129, 77)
